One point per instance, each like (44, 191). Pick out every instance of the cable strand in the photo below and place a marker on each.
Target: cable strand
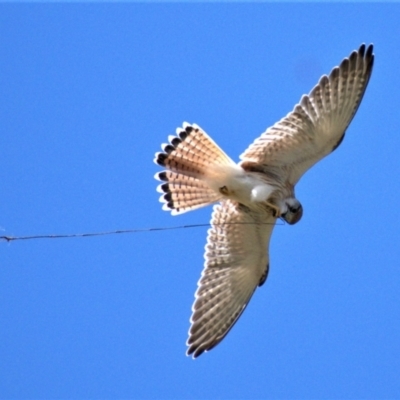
(116, 232)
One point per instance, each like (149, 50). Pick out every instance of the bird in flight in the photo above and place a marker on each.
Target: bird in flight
(253, 193)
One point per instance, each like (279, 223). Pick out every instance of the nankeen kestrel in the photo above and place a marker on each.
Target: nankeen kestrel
(253, 193)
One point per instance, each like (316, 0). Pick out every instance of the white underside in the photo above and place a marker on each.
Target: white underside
(261, 192)
(243, 187)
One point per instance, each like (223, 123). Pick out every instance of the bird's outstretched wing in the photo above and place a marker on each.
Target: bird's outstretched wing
(318, 123)
(236, 262)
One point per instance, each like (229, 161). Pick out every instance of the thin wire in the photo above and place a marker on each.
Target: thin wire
(79, 235)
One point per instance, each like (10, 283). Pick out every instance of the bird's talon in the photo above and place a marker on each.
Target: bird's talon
(276, 212)
(224, 190)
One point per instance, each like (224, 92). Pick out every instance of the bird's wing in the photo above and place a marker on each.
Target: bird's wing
(236, 262)
(318, 123)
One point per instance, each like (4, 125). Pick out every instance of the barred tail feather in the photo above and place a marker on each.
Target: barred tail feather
(191, 152)
(181, 193)
(190, 157)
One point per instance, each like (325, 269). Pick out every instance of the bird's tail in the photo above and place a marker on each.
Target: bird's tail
(189, 158)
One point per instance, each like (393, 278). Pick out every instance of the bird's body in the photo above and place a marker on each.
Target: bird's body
(254, 192)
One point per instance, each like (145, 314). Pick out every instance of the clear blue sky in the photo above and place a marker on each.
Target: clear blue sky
(88, 94)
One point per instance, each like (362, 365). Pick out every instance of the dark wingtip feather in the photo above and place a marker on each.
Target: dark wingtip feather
(264, 276)
(324, 81)
(335, 73)
(353, 59)
(194, 352)
(370, 49)
(370, 56)
(345, 64)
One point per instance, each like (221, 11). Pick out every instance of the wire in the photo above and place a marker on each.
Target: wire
(91, 234)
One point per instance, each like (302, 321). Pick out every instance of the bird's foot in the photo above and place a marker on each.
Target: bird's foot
(224, 190)
(276, 211)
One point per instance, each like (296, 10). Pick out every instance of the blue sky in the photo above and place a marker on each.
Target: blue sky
(88, 94)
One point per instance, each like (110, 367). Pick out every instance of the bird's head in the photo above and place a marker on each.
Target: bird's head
(294, 211)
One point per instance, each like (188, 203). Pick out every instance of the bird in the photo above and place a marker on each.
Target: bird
(253, 194)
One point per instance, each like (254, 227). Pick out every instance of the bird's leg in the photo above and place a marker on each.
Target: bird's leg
(224, 190)
(276, 211)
